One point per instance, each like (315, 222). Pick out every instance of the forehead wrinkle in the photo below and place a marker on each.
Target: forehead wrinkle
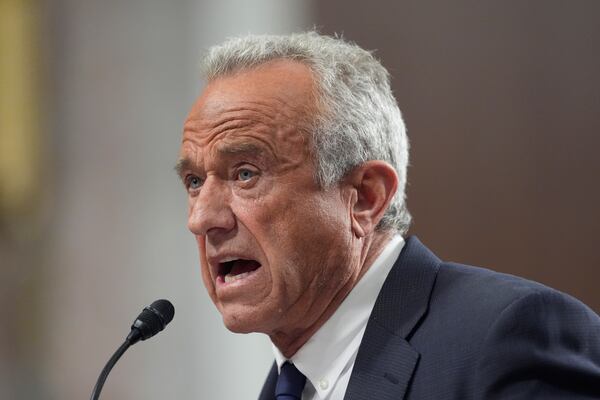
(231, 120)
(217, 114)
(245, 145)
(214, 127)
(229, 126)
(215, 109)
(296, 114)
(237, 148)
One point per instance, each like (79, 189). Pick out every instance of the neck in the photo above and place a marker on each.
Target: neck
(290, 342)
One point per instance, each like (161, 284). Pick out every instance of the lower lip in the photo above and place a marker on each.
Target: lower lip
(250, 278)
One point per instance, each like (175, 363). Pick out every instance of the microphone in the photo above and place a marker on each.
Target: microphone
(151, 320)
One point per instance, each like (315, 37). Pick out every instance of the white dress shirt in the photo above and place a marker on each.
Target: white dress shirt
(327, 358)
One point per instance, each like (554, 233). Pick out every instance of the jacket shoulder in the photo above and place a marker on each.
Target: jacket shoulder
(482, 289)
(470, 299)
(484, 326)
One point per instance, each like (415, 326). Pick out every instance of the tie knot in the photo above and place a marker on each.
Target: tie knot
(290, 383)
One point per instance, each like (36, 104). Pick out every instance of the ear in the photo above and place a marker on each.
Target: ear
(375, 183)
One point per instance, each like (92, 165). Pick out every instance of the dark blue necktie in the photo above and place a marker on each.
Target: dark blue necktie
(290, 383)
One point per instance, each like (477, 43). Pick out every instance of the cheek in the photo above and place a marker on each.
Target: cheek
(324, 234)
(323, 220)
(310, 234)
(206, 277)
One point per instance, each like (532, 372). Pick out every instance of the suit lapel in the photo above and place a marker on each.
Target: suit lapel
(386, 361)
(383, 367)
(268, 389)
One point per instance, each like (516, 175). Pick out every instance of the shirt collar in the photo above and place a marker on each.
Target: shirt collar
(325, 355)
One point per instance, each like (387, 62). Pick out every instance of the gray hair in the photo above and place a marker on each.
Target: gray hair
(360, 119)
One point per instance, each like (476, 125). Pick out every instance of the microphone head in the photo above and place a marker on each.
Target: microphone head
(152, 320)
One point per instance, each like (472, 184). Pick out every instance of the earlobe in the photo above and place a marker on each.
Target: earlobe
(375, 183)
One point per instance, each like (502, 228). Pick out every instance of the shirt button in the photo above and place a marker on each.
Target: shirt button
(323, 384)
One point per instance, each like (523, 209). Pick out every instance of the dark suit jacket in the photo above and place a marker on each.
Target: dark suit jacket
(448, 331)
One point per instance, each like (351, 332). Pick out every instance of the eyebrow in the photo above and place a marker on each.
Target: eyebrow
(226, 150)
(182, 164)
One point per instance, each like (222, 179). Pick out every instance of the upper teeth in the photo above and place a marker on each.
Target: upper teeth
(227, 259)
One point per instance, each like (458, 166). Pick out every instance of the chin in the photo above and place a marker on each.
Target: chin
(236, 325)
(243, 322)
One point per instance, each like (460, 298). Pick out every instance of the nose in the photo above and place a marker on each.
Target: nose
(210, 211)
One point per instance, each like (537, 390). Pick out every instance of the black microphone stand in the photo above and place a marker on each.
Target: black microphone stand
(152, 320)
(108, 367)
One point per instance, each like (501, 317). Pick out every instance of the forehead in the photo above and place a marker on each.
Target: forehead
(273, 99)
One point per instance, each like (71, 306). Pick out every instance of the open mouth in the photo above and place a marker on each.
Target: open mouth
(233, 270)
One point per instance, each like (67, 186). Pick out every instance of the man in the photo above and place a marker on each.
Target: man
(294, 159)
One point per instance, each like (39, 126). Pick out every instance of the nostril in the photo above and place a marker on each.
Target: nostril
(212, 224)
(206, 217)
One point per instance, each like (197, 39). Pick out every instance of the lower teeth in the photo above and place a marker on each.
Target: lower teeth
(232, 278)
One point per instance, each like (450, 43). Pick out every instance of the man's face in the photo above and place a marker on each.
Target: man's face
(275, 248)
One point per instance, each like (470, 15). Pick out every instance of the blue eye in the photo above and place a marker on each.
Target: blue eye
(245, 174)
(194, 182)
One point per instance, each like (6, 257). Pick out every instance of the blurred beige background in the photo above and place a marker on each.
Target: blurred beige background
(502, 104)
